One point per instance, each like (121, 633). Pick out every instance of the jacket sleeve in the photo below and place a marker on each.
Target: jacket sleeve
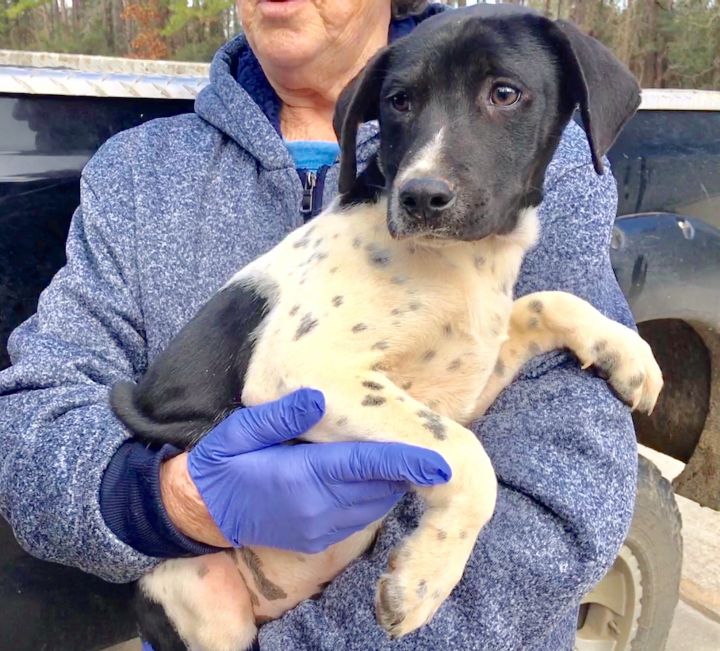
(57, 432)
(564, 452)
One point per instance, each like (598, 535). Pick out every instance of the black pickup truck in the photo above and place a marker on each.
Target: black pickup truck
(666, 255)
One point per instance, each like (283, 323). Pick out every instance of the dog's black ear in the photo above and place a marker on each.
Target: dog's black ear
(606, 90)
(357, 103)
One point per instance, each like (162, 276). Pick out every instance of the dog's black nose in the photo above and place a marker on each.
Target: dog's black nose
(425, 197)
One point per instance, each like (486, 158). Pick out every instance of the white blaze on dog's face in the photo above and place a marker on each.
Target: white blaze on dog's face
(422, 187)
(471, 111)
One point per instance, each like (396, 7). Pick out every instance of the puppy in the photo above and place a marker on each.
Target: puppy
(397, 304)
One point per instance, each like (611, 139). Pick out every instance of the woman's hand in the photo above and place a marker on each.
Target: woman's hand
(238, 486)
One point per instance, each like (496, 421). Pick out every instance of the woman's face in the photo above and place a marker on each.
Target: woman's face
(290, 33)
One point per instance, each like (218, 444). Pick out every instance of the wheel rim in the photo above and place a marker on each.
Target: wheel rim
(610, 613)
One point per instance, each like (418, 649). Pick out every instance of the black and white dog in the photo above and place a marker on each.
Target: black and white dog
(397, 303)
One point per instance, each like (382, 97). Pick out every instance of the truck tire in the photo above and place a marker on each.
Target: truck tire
(632, 607)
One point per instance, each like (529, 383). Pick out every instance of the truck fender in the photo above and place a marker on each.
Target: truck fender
(668, 266)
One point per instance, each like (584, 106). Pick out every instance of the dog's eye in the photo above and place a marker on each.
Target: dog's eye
(400, 102)
(504, 95)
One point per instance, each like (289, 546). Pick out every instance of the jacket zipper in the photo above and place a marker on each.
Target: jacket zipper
(313, 184)
(308, 199)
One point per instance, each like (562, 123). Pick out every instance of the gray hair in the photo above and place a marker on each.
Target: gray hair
(405, 8)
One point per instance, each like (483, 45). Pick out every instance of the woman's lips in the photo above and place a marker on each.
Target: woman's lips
(279, 8)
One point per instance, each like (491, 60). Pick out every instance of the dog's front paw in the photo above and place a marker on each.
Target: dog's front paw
(411, 591)
(627, 362)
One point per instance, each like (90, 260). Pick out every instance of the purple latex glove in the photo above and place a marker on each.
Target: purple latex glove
(302, 497)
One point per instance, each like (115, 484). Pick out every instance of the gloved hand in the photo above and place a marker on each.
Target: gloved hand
(302, 497)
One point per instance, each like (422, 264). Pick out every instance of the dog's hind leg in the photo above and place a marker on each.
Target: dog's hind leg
(546, 321)
(199, 603)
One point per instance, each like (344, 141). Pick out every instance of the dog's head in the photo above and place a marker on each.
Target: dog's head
(471, 107)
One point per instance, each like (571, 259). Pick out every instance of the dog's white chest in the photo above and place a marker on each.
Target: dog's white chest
(430, 318)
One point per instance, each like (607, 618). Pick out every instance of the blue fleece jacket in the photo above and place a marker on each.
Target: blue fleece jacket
(168, 212)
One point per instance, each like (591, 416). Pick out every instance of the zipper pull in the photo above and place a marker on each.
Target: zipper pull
(306, 210)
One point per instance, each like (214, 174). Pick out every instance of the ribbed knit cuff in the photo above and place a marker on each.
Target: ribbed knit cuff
(132, 507)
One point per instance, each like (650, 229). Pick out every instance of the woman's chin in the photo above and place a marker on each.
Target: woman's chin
(286, 47)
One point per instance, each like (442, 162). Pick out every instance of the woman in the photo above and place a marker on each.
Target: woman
(168, 212)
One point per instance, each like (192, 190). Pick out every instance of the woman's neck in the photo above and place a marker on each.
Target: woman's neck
(309, 93)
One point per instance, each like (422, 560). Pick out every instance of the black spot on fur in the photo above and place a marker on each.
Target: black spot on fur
(434, 423)
(294, 310)
(441, 535)
(455, 364)
(396, 312)
(357, 243)
(373, 401)
(448, 329)
(337, 301)
(373, 386)
(533, 323)
(381, 345)
(359, 327)
(428, 355)
(536, 306)
(479, 262)
(534, 348)
(267, 588)
(333, 270)
(607, 362)
(378, 257)
(414, 306)
(463, 534)
(407, 386)
(318, 242)
(599, 346)
(302, 243)
(202, 571)
(307, 323)
(342, 421)
(399, 280)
